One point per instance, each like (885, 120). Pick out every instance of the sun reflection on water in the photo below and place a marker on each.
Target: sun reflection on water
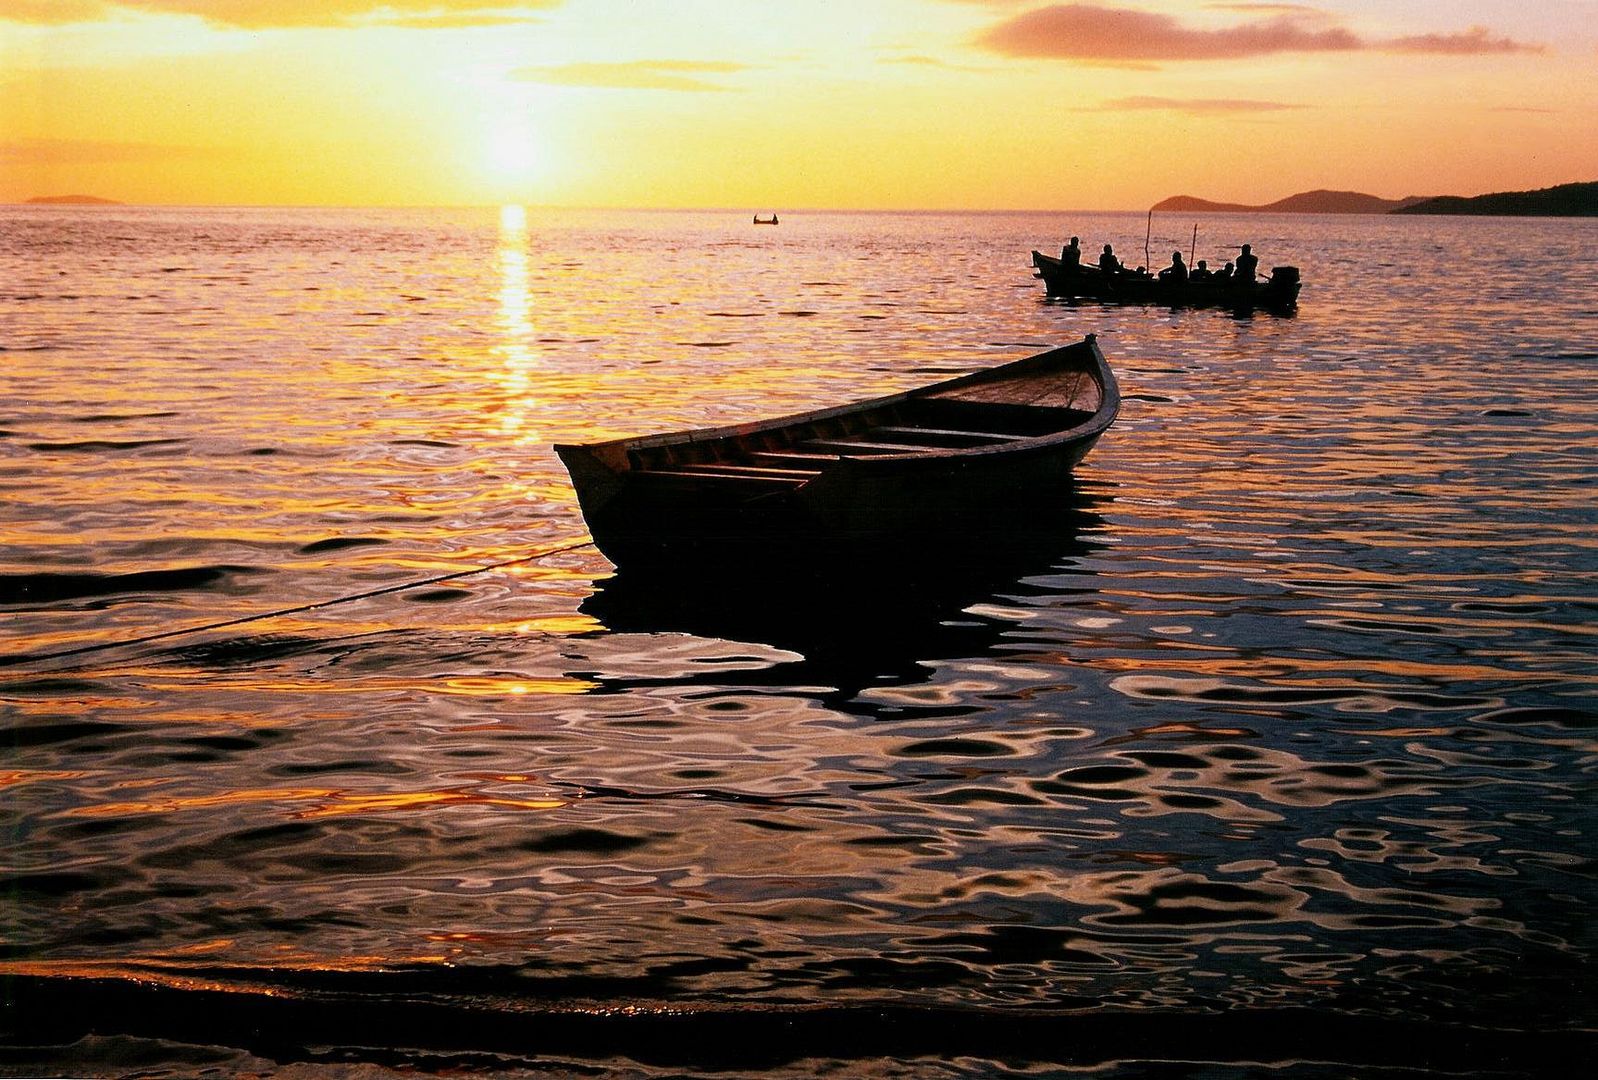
(516, 325)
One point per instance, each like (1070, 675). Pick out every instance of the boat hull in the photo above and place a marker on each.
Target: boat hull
(849, 513)
(1278, 294)
(832, 483)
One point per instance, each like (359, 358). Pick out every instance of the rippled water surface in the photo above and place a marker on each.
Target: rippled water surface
(1272, 749)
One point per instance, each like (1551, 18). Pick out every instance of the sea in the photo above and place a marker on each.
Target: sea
(333, 749)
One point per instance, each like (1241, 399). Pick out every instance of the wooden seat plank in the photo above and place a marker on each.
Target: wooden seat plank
(857, 446)
(794, 459)
(734, 468)
(702, 475)
(951, 433)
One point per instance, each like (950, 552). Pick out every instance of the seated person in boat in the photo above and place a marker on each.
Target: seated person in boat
(1071, 256)
(1223, 276)
(1109, 265)
(1176, 273)
(1201, 272)
(1247, 264)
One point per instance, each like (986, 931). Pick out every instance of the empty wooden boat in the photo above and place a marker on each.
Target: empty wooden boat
(909, 465)
(1278, 294)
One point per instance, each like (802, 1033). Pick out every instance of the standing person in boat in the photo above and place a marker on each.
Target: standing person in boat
(1071, 256)
(1247, 264)
(1109, 265)
(1176, 273)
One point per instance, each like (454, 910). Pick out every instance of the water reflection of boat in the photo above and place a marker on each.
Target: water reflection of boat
(1278, 294)
(772, 220)
(908, 464)
(856, 624)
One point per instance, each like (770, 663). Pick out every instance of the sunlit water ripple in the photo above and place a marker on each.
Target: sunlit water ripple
(1289, 725)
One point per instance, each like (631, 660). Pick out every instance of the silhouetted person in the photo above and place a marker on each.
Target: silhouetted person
(1247, 264)
(1224, 275)
(1071, 256)
(1201, 272)
(1176, 273)
(1109, 265)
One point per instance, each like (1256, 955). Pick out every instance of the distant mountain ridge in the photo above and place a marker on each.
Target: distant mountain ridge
(1564, 200)
(1319, 201)
(73, 200)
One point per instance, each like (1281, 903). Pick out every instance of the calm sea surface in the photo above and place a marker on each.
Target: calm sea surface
(1275, 758)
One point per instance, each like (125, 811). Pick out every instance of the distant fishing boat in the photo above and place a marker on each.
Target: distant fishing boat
(1278, 294)
(772, 220)
(901, 466)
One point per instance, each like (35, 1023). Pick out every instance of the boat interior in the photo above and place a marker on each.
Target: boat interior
(786, 456)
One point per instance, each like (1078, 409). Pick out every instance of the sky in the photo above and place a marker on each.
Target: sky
(791, 104)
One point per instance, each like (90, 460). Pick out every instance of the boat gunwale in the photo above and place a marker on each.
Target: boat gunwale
(1093, 424)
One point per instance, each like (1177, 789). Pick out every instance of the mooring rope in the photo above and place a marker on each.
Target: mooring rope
(573, 545)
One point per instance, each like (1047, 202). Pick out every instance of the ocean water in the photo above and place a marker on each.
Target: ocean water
(1270, 754)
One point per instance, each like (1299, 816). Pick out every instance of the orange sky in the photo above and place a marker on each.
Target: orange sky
(981, 104)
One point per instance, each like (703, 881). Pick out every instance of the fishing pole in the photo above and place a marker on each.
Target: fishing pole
(557, 549)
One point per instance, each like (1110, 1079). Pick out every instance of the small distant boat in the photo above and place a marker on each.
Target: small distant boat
(937, 458)
(772, 220)
(1278, 294)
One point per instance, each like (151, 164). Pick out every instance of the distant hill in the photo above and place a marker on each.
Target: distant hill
(1566, 200)
(74, 200)
(1305, 202)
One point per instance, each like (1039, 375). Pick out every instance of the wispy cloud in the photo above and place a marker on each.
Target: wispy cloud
(1194, 106)
(53, 12)
(1266, 9)
(1475, 41)
(920, 60)
(1096, 34)
(635, 74)
(275, 14)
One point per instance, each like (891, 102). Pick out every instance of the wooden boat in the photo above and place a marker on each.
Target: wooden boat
(1278, 294)
(933, 460)
(772, 220)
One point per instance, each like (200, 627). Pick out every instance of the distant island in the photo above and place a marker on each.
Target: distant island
(1566, 200)
(1305, 202)
(73, 200)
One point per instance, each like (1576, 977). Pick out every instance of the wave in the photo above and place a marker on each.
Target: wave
(46, 588)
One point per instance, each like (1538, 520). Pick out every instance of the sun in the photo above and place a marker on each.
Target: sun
(512, 154)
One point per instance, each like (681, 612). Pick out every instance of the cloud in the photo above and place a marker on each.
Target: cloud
(1196, 106)
(91, 152)
(920, 60)
(53, 12)
(923, 61)
(1472, 42)
(277, 14)
(634, 75)
(1088, 32)
(1267, 9)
